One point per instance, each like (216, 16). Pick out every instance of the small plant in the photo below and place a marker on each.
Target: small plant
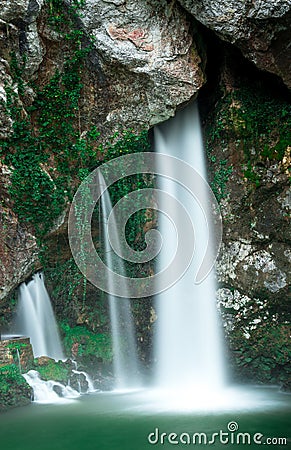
(16, 345)
(220, 179)
(256, 123)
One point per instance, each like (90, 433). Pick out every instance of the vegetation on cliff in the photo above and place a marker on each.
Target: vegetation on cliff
(248, 138)
(14, 391)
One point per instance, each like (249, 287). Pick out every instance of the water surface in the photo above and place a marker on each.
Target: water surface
(124, 420)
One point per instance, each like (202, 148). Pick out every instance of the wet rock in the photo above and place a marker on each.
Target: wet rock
(6, 121)
(16, 350)
(35, 51)
(14, 390)
(58, 390)
(21, 16)
(44, 361)
(78, 382)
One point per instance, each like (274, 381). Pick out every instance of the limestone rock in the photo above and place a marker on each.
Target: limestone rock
(143, 64)
(13, 10)
(253, 270)
(259, 28)
(18, 248)
(152, 44)
(6, 121)
(21, 15)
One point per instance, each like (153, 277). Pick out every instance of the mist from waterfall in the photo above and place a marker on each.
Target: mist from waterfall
(125, 360)
(35, 319)
(188, 348)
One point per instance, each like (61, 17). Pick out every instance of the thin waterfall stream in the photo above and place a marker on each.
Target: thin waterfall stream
(125, 361)
(35, 319)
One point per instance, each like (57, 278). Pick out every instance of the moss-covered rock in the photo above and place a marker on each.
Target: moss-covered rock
(258, 343)
(49, 369)
(14, 390)
(79, 341)
(248, 145)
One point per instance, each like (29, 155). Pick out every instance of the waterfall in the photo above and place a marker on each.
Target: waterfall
(125, 361)
(48, 391)
(18, 360)
(87, 378)
(35, 319)
(188, 345)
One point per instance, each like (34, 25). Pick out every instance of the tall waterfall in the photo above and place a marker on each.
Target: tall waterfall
(188, 346)
(35, 319)
(122, 328)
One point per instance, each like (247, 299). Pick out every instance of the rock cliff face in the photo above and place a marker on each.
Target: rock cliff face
(260, 28)
(143, 62)
(117, 64)
(144, 56)
(248, 146)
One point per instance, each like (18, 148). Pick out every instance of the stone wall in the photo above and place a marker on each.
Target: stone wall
(8, 352)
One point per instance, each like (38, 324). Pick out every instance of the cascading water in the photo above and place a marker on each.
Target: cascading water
(35, 319)
(48, 391)
(126, 370)
(86, 376)
(188, 345)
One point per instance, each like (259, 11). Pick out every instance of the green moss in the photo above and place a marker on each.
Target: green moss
(220, 178)
(11, 373)
(16, 345)
(40, 189)
(84, 342)
(14, 391)
(265, 123)
(265, 355)
(257, 124)
(53, 370)
(122, 144)
(47, 153)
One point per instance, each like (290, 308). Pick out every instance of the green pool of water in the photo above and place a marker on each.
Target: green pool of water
(124, 421)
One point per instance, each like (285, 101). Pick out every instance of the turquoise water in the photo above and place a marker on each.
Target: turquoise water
(109, 421)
